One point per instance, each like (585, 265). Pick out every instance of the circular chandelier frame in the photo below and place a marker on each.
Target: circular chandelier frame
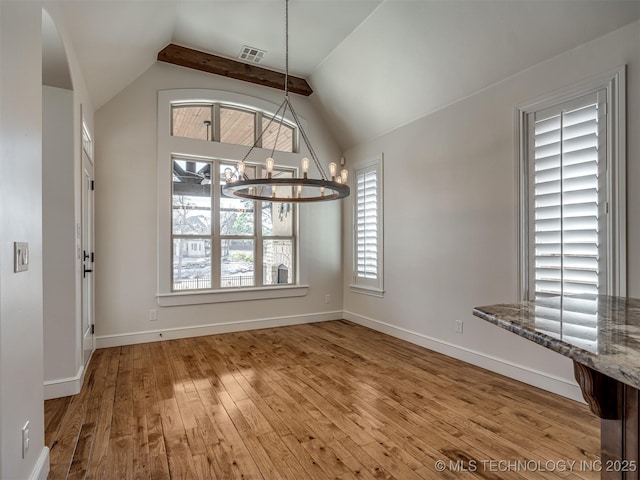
(328, 190)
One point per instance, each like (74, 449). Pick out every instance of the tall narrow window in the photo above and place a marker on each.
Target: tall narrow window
(191, 225)
(368, 232)
(570, 208)
(237, 239)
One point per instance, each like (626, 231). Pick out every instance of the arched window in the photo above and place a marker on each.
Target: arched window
(208, 243)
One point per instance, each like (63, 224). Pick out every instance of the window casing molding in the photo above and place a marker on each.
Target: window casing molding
(360, 283)
(170, 147)
(613, 83)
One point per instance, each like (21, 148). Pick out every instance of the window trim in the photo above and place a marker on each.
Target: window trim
(363, 286)
(614, 84)
(170, 147)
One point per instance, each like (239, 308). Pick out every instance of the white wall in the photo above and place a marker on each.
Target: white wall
(21, 294)
(21, 369)
(62, 262)
(126, 222)
(59, 234)
(451, 216)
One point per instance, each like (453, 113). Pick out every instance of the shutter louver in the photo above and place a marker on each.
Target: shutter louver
(572, 320)
(567, 204)
(367, 225)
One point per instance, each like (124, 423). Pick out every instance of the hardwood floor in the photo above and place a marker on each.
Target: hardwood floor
(330, 400)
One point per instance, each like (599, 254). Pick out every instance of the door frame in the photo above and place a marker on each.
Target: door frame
(87, 246)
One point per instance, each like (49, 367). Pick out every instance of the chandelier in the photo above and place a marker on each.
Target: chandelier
(301, 189)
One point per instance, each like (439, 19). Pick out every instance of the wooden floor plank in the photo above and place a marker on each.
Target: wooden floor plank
(100, 449)
(332, 400)
(54, 412)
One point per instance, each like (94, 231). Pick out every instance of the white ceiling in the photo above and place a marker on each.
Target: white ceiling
(374, 66)
(410, 58)
(118, 40)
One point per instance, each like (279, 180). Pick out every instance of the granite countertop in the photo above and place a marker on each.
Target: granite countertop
(601, 332)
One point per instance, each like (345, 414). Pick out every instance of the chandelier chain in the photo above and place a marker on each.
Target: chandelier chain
(306, 141)
(240, 185)
(286, 49)
(271, 120)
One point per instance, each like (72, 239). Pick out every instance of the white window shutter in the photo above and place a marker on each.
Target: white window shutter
(366, 224)
(368, 229)
(567, 201)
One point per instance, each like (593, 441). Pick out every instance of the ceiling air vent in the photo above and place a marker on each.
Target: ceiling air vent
(251, 54)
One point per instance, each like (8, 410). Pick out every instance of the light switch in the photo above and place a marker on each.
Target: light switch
(21, 256)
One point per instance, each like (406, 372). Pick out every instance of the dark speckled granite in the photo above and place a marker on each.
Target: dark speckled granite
(601, 332)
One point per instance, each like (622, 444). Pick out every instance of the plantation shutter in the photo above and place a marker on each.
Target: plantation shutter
(567, 198)
(366, 223)
(574, 320)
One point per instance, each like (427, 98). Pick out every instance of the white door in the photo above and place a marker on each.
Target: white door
(88, 258)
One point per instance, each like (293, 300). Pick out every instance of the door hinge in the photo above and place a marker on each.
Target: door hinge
(93, 329)
(93, 185)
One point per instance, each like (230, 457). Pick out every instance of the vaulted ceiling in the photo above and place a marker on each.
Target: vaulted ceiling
(374, 65)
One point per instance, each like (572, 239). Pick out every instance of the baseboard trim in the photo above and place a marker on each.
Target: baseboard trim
(524, 374)
(148, 336)
(63, 387)
(41, 468)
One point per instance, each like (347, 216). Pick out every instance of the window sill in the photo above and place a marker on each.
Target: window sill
(373, 291)
(230, 295)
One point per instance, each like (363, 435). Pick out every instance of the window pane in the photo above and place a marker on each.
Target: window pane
(191, 263)
(236, 214)
(192, 122)
(237, 263)
(278, 262)
(284, 137)
(237, 127)
(191, 197)
(277, 217)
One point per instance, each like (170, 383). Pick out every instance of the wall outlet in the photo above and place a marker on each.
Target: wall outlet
(153, 315)
(459, 326)
(327, 298)
(25, 439)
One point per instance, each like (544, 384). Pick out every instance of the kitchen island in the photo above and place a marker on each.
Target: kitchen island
(601, 334)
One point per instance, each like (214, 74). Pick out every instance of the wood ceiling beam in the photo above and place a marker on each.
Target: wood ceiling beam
(206, 62)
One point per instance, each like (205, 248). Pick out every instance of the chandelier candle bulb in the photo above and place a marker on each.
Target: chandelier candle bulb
(299, 188)
(333, 169)
(322, 191)
(273, 191)
(241, 170)
(270, 163)
(344, 175)
(305, 167)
